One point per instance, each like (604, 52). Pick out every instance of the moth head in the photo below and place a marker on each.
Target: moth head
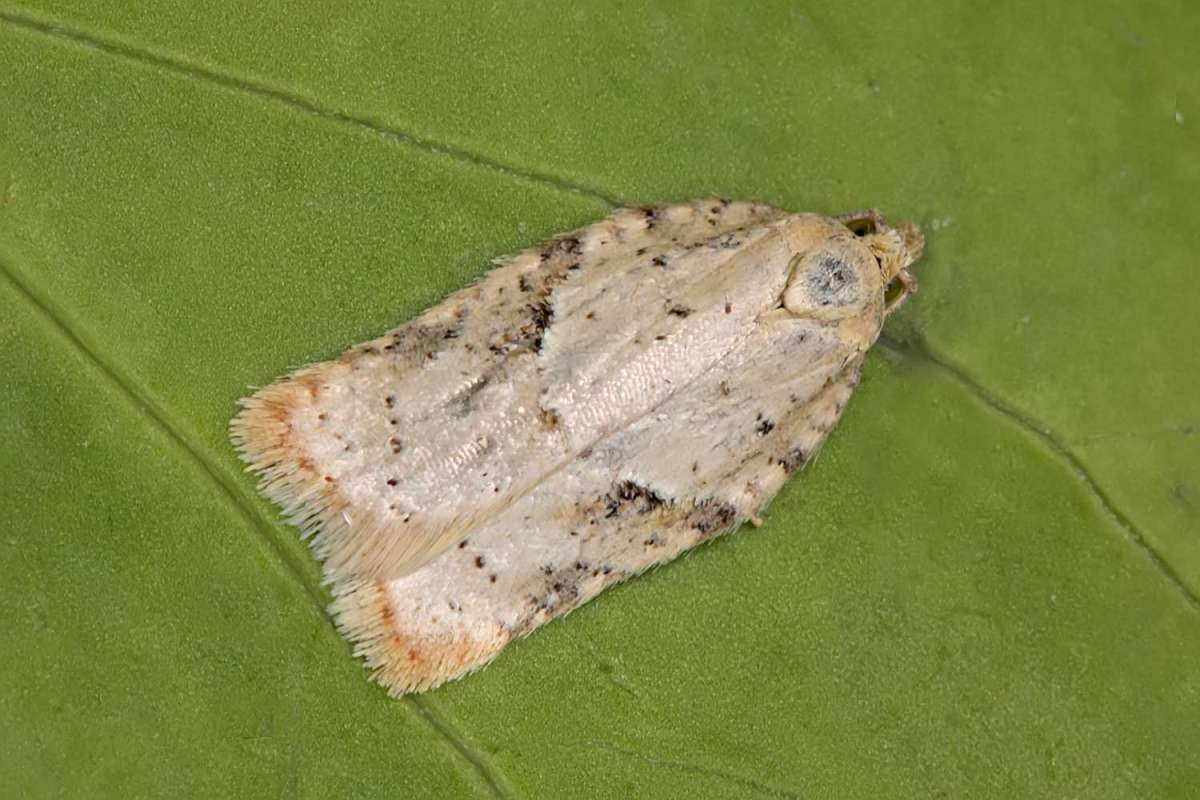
(857, 263)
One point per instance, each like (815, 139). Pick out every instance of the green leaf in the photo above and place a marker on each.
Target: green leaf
(987, 585)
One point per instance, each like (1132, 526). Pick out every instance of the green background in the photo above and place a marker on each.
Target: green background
(985, 587)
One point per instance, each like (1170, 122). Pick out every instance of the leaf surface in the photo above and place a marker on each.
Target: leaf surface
(986, 585)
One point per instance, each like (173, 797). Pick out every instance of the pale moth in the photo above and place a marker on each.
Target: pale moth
(588, 409)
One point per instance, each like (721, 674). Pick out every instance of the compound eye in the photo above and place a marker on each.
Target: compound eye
(864, 224)
(823, 281)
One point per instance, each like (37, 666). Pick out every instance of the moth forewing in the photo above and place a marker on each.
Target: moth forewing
(588, 409)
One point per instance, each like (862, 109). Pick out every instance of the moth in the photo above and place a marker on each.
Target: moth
(586, 410)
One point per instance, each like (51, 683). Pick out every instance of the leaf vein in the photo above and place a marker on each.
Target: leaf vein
(161, 420)
(298, 102)
(233, 496)
(1133, 534)
(469, 753)
(691, 769)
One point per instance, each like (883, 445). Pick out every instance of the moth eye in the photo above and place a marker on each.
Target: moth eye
(864, 225)
(822, 281)
(861, 227)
